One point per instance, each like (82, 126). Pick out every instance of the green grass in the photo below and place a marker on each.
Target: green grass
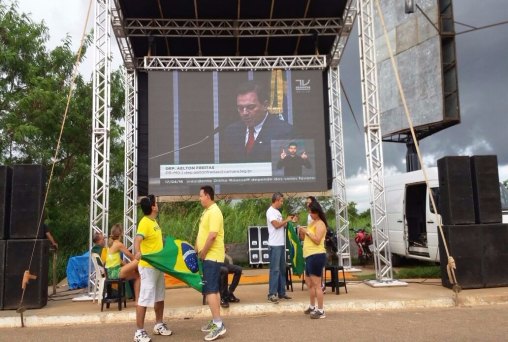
(422, 272)
(413, 272)
(362, 277)
(410, 269)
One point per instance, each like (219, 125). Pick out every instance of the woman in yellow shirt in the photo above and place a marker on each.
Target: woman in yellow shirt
(115, 266)
(314, 253)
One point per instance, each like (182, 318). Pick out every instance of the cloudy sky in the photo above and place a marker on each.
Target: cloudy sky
(483, 87)
(483, 91)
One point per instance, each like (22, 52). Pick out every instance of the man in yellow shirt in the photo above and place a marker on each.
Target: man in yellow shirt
(210, 249)
(151, 294)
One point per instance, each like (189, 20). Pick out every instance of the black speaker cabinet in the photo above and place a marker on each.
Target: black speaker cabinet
(5, 200)
(495, 255)
(465, 244)
(480, 252)
(253, 237)
(3, 244)
(264, 235)
(17, 259)
(265, 255)
(258, 245)
(456, 204)
(487, 198)
(28, 186)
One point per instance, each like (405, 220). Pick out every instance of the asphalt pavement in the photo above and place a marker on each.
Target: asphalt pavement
(479, 323)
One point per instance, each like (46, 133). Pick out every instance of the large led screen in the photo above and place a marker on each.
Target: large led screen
(242, 132)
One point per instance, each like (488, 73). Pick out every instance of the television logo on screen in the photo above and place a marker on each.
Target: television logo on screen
(302, 86)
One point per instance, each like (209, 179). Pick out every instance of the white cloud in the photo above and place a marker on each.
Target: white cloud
(478, 145)
(64, 17)
(357, 187)
(503, 173)
(357, 190)
(61, 17)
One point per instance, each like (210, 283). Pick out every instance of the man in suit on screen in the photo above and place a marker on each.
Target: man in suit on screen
(249, 139)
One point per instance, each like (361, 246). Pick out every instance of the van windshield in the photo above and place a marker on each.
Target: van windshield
(504, 196)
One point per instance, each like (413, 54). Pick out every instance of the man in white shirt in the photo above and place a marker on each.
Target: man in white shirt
(277, 245)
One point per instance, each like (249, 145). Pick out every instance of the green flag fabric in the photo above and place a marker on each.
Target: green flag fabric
(178, 259)
(295, 249)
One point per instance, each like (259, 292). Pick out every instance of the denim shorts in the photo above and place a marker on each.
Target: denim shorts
(211, 276)
(314, 264)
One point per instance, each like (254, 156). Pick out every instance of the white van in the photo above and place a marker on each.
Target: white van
(411, 221)
(504, 202)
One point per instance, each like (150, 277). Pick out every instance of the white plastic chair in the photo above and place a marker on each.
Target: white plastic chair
(99, 278)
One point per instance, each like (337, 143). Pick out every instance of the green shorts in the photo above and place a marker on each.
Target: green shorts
(114, 272)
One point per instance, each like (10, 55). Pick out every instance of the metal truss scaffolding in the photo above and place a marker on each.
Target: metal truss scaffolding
(373, 141)
(99, 192)
(339, 177)
(130, 162)
(232, 28)
(233, 63)
(340, 42)
(108, 11)
(124, 44)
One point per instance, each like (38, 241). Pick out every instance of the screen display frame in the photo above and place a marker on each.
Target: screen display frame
(190, 115)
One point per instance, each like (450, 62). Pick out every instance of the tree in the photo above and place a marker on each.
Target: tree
(34, 85)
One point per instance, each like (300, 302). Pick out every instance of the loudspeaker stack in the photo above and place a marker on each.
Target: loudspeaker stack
(470, 207)
(21, 201)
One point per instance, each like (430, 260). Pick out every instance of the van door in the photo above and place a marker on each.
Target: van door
(416, 223)
(432, 223)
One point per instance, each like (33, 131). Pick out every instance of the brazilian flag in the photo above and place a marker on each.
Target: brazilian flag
(178, 259)
(295, 249)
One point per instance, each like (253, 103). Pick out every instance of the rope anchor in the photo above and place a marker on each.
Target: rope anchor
(26, 278)
(24, 282)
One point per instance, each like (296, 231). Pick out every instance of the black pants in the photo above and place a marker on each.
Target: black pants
(224, 271)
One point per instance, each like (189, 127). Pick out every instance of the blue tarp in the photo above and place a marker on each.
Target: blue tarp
(77, 271)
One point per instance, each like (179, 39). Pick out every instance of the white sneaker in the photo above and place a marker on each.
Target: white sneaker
(162, 329)
(216, 332)
(141, 336)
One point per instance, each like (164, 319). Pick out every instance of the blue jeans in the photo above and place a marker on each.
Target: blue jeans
(277, 280)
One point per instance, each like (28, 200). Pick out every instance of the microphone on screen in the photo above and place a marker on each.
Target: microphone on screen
(211, 134)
